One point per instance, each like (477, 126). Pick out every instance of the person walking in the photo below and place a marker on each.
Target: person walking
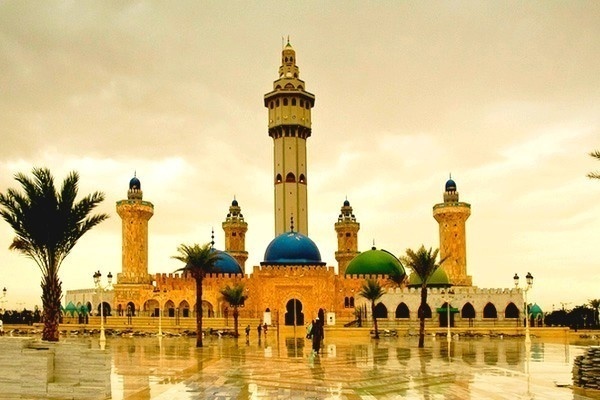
(259, 329)
(248, 332)
(317, 335)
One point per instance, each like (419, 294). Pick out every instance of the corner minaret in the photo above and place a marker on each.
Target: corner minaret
(289, 108)
(451, 215)
(235, 234)
(346, 228)
(135, 214)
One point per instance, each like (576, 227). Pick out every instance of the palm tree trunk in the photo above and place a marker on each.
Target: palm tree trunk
(51, 294)
(199, 310)
(422, 316)
(235, 320)
(374, 319)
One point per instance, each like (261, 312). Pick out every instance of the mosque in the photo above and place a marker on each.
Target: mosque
(292, 282)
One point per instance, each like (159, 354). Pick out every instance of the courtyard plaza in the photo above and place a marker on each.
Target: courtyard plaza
(350, 365)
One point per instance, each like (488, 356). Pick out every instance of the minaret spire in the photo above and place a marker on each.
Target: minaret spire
(289, 106)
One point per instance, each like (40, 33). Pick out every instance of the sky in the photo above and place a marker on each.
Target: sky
(505, 96)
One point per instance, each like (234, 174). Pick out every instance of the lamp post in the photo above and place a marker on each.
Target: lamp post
(3, 299)
(99, 288)
(448, 295)
(160, 296)
(529, 280)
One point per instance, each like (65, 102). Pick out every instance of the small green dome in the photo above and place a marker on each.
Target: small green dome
(535, 310)
(374, 262)
(438, 279)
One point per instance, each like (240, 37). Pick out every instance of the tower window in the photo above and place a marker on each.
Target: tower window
(277, 103)
(285, 102)
(278, 179)
(293, 102)
(302, 178)
(347, 234)
(290, 177)
(271, 105)
(307, 105)
(301, 103)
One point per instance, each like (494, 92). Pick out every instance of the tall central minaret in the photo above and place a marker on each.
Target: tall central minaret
(290, 125)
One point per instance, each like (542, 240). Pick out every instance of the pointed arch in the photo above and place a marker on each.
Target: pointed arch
(426, 310)
(468, 311)
(489, 311)
(290, 177)
(278, 178)
(402, 311)
(511, 311)
(302, 178)
(380, 311)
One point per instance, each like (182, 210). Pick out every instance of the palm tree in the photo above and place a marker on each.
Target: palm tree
(47, 224)
(235, 296)
(372, 291)
(594, 175)
(595, 304)
(199, 261)
(424, 265)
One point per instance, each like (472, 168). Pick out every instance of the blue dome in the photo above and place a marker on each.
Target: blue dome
(346, 203)
(135, 183)
(234, 203)
(226, 264)
(450, 186)
(292, 248)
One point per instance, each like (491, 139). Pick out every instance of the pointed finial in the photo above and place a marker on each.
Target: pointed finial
(212, 238)
(450, 175)
(292, 223)
(134, 173)
(373, 248)
(288, 39)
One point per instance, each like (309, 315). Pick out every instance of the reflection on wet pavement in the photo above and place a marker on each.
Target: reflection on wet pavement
(349, 367)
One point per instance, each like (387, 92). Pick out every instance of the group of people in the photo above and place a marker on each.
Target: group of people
(259, 329)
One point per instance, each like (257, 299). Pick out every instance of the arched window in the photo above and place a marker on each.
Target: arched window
(285, 102)
(277, 102)
(301, 103)
(290, 177)
(271, 105)
(351, 302)
(402, 311)
(489, 311)
(511, 311)
(346, 302)
(380, 311)
(302, 178)
(293, 102)
(467, 311)
(426, 311)
(278, 178)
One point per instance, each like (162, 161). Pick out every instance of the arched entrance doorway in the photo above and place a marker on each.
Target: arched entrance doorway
(293, 313)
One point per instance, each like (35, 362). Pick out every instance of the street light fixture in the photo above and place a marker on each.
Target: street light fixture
(529, 280)
(3, 299)
(448, 295)
(160, 296)
(99, 288)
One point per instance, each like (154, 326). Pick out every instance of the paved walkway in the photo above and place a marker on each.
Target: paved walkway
(350, 366)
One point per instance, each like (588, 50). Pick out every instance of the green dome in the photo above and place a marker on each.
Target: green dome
(535, 310)
(438, 279)
(375, 262)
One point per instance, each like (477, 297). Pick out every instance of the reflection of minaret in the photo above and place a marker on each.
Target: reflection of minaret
(290, 125)
(135, 214)
(451, 216)
(235, 234)
(347, 233)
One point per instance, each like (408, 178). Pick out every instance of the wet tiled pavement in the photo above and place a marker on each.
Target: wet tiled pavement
(350, 366)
